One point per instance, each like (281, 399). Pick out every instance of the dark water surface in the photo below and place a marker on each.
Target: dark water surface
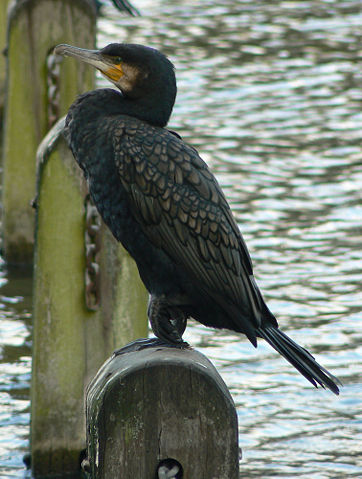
(270, 94)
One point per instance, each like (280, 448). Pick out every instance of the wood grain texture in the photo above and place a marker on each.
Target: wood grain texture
(158, 403)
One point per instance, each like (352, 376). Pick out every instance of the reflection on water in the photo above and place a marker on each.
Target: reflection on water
(269, 92)
(15, 364)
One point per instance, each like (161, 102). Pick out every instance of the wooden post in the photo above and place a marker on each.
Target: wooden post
(34, 28)
(150, 402)
(3, 22)
(71, 340)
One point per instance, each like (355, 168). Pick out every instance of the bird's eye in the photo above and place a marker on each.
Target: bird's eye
(117, 60)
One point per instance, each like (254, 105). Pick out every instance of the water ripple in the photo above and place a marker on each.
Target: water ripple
(269, 92)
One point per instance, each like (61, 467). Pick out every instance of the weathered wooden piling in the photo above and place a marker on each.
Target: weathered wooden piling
(150, 402)
(3, 22)
(35, 95)
(87, 298)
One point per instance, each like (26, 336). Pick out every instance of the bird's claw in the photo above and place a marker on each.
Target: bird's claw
(169, 330)
(168, 323)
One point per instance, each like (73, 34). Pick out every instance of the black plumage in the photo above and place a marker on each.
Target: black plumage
(160, 200)
(122, 5)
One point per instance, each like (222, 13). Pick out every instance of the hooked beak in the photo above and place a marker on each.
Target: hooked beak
(103, 63)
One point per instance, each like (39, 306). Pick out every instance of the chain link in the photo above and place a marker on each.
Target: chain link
(92, 248)
(53, 70)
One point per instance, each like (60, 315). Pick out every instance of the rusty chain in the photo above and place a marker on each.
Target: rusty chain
(53, 74)
(92, 248)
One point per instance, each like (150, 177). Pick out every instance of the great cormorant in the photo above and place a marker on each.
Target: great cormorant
(160, 200)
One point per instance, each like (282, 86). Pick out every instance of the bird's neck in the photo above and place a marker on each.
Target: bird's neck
(147, 110)
(152, 109)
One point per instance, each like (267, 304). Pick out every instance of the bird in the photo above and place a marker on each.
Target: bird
(162, 202)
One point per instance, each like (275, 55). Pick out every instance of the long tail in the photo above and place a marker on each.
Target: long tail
(299, 357)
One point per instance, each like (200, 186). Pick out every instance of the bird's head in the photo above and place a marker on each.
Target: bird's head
(143, 74)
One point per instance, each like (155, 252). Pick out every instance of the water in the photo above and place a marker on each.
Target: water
(269, 92)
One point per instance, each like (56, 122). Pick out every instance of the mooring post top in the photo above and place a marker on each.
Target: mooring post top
(150, 352)
(16, 6)
(156, 410)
